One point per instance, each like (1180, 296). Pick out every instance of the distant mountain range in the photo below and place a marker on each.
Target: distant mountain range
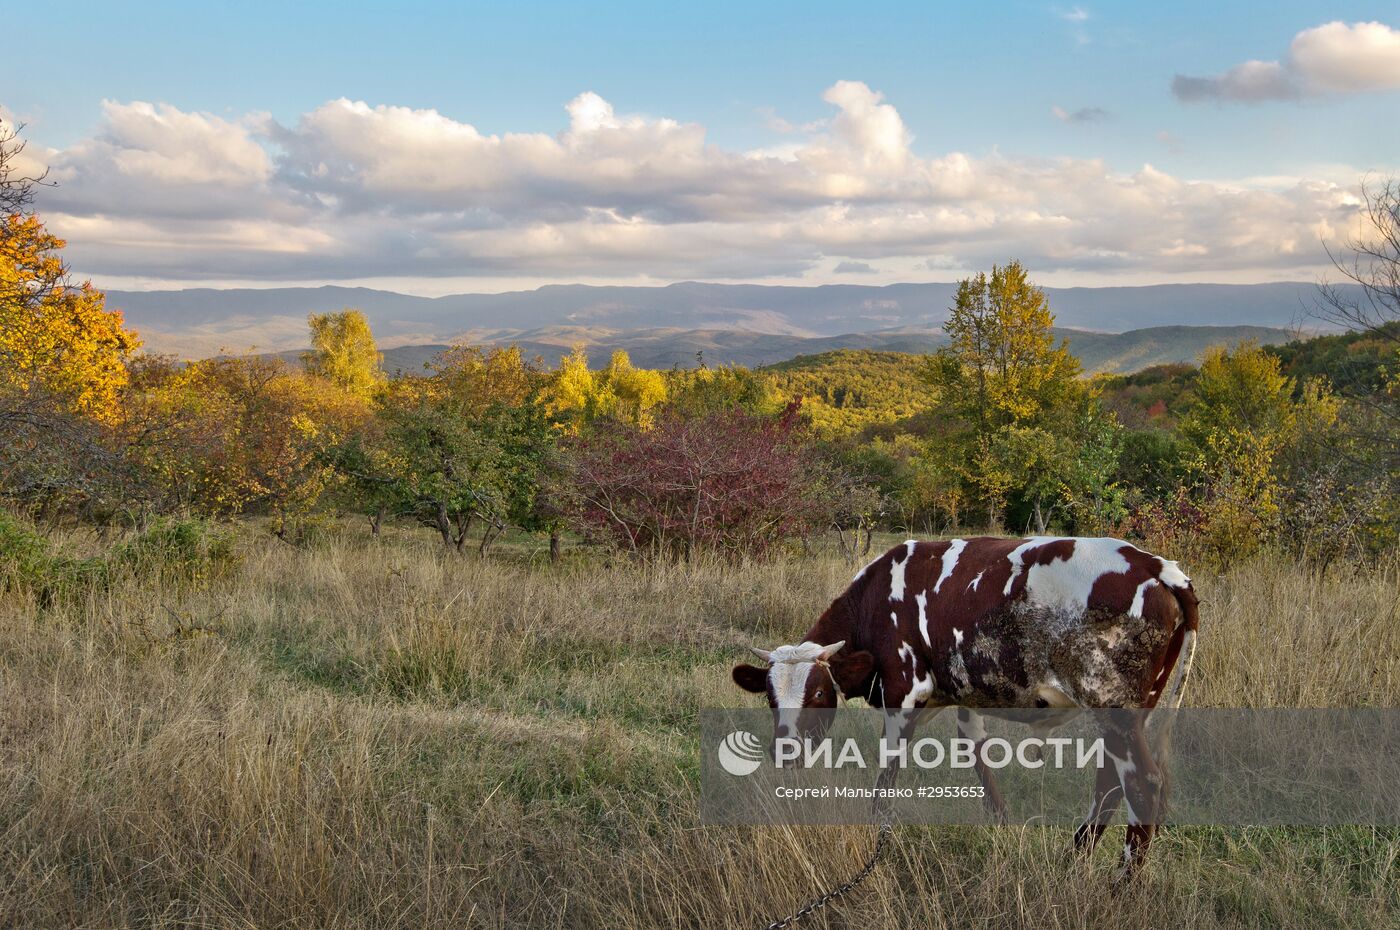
(668, 325)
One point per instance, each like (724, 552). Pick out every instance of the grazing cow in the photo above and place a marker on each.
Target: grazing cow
(988, 623)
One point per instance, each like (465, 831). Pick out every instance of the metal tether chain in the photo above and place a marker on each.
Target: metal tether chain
(882, 840)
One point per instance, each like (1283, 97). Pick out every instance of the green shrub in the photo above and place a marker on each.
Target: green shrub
(27, 564)
(182, 549)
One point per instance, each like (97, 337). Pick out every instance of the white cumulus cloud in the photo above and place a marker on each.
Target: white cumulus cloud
(1335, 57)
(352, 191)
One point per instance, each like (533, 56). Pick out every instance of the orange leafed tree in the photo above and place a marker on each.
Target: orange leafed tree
(54, 337)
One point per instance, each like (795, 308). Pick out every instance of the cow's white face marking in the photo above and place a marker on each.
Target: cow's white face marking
(950, 561)
(897, 571)
(790, 682)
(791, 667)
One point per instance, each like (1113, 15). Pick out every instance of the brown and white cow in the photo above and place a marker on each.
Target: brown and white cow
(988, 623)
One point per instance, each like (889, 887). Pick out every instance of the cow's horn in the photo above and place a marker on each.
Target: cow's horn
(831, 650)
(765, 656)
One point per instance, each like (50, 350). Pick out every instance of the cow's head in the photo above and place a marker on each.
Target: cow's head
(802, 679)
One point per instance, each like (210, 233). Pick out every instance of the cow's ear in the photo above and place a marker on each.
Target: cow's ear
(751, 678)
(850, 671)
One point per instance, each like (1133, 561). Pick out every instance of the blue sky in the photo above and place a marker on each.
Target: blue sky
(983, 83)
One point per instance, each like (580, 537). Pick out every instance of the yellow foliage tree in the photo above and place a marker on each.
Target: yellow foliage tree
(1002, 366)
(344, 353)
(570, 390)
(635, 391)
(247, 433)
(577, 396)
(1243, 418)
(477, 379)
(1008, 388)
(54, 337)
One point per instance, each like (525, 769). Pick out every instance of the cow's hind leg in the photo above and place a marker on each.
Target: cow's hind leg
(1107, 796)
(1141, 781)
(970, 726)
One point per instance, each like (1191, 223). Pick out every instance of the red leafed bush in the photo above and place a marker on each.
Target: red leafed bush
(728, 482)
(1176, 523)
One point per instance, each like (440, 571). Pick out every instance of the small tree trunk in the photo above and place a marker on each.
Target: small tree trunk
(376, 519)
(847, 551)
(444, 526)
(489, 535)
(554, 547)
(464, 526)
(1039, 518)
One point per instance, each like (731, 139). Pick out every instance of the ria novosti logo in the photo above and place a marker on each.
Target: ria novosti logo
(740, 753)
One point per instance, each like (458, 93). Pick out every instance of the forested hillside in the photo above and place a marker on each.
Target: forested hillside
(843, 392)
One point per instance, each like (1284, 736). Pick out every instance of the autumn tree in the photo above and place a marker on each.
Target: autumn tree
(631, 393)
(1020, 411)
(1002, 366)
(730, 483)
(576, 396)
(1243, 423)
(63, 358)
(570, 394)
(56, 338)
(247, 434)
(477, 379)
(698, 391)
(343, 352)
(455, 450)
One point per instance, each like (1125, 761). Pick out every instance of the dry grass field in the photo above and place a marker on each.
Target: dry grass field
(371, 734)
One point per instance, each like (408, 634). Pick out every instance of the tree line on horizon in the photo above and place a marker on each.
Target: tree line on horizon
(999, 430)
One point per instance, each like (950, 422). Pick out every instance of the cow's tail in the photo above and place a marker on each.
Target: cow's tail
(1176, 668)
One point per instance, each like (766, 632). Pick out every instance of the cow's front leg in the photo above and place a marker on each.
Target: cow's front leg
(899, 728)
(970, 726)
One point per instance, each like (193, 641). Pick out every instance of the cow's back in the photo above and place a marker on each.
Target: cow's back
(989, 620)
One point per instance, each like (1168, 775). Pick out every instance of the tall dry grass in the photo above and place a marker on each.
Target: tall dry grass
(374, 734)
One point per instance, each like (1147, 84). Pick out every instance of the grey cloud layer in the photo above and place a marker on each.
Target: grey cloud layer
(355, 191)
